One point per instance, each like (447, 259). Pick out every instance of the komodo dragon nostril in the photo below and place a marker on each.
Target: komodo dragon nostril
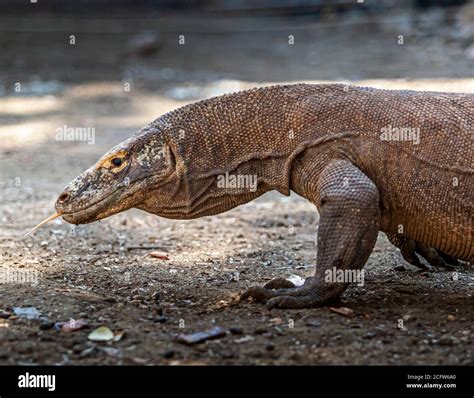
(64, 197)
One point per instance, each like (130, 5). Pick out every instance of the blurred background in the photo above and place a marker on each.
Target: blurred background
(242, 40)
(119, 64)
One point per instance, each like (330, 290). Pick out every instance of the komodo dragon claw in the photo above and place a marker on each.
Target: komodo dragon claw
(281, 293)
(297, 297)
(279, 283)
(410, 250)
(436, 258)
(313, 293)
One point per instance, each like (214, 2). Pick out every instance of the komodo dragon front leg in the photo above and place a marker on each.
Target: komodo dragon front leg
(348, 202)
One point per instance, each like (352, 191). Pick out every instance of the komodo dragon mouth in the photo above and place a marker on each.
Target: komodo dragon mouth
(72, 217)
(83, 215)
(80, 215)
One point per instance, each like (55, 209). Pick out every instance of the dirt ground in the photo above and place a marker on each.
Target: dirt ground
(102, 272)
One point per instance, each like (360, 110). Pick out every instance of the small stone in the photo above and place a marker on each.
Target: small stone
(269, 347)
(113, 352)
(370, 335)
(244, 339)
(145, 44)
(446, 340)
(199, 337)
(77, 349)
(46, 325)
(451, 318)
(161, 319)
(424, 349)
(413, 340)
(168, 354)
(400, 268)
(86, 352)
(28, 313)
(236, 330)
(316, 323)
(5, 314)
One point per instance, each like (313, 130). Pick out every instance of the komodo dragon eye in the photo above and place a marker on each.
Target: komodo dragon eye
(117, 162)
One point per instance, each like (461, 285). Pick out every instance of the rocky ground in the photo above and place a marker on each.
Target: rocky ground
(102, 274)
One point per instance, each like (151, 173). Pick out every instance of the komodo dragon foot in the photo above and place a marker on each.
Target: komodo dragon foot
(410, 250)
(281, 293)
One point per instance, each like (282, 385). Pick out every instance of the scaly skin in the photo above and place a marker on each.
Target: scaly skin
(324, 142)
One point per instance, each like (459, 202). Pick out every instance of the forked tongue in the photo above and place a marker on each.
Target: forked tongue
(55, 215)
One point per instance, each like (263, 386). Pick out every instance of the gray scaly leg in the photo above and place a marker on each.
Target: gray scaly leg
(348, 203)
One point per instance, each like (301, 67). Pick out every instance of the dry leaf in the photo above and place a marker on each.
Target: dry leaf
(159, 255)
(73, 325)
(276, 321)
(344, 311)
(119, 335)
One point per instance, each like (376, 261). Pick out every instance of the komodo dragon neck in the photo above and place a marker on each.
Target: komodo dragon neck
(256, 134)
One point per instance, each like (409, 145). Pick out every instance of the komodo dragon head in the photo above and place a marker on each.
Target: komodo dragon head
(138, 168)
(160, 170)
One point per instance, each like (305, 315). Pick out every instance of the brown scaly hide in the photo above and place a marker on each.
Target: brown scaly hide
(287, 135)
(283, 133)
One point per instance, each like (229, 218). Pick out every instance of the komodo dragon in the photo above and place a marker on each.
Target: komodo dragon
(370, 160)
